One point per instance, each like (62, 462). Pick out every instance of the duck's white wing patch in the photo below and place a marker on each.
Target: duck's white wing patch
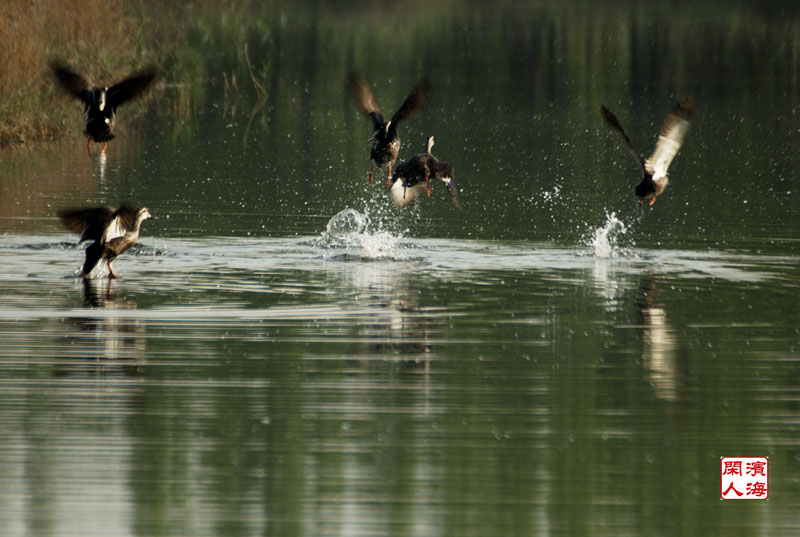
(667, 147)
(672, 134)
(114, 230)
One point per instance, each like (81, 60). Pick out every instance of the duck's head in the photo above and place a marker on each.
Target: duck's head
(445, 173)
(143, 215)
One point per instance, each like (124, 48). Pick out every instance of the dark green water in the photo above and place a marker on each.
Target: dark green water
(521, 367)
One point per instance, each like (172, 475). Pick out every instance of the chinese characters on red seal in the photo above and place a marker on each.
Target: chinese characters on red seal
(744, 478)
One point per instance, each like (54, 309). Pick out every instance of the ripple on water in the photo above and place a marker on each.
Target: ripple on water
(159, 263)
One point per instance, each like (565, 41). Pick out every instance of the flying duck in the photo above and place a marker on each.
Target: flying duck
(654, 168)
(100, 103)
(385, 142)
(413, 177)
(113, 232)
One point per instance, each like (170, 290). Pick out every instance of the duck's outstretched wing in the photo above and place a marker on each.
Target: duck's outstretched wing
(72, 82)
(94, 253)
(672, 134)
(415, 100)
(361, 94)
(364, 99)
(122, 221)
(612, 121)
(90, 223)
(131, 87)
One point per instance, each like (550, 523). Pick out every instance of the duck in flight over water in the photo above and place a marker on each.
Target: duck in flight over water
(113, 232)
(413, 177)
(100, 103)
(385, 141)
(654, 168)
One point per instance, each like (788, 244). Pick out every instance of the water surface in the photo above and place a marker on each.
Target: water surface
(287, 354)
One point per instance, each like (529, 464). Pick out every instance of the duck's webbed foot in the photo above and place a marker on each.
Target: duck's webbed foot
(111, 274)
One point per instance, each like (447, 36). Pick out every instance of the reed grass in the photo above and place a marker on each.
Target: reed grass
(102, 39)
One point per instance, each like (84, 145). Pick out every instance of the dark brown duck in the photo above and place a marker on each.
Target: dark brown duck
(654, 168)
(384, 138)
(113, 232)
(413, 177)
(100, 103)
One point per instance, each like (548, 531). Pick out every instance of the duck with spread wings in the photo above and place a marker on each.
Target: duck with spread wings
(100, 103)
(113, 232)
(670, 139)
(384, 138)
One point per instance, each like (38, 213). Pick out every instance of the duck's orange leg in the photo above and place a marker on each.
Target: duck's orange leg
(428, 184)
(389, 179)
(652, 201)
(105, 146)
(89, 146)
(111, 274)
(371, 167)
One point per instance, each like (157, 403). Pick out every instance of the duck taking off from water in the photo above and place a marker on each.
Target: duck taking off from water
(654, 168)
(385, 141)
(113, 232)
(413, 177)
(100, 103)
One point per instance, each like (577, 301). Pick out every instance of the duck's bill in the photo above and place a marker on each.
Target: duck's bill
(451, 188)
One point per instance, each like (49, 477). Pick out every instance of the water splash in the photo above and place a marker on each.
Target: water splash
(605, 241)
(354, 233)
(147, 250)
(345, 224)
(551, 195)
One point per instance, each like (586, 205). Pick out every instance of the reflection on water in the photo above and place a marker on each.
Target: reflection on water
(405, 327)
(107, 337)
(401, 329)
(660, 354)
(308, 387)
(607, 283)
(99, 163)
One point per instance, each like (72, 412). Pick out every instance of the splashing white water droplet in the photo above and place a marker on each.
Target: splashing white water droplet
(604, 241)
(349, 230)
(346, 222)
